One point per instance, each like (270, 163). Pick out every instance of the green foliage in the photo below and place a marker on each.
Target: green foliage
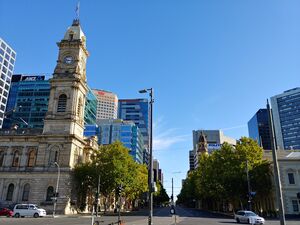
(221, 176)
(115, 167)
(160, 197)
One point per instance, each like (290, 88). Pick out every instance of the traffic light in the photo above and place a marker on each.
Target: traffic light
(119, 189)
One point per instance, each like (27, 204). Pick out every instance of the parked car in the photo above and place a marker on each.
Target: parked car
(6, 212)
(22, 210)
(244, 216)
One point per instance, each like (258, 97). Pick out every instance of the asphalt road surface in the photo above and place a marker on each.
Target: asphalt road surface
(161, 217)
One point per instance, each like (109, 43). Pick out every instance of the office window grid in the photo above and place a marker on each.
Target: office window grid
(289, 114)
(7, 60)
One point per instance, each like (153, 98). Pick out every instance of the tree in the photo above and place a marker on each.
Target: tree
(160, 197)
(221, 176)
(115, 167)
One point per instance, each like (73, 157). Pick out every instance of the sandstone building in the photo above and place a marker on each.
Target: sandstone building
(28, 172)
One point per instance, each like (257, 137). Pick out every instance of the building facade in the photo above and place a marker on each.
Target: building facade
(214, 138)
(136, 110)
(206, 141)
(259, 130)
(289, 167)
(107, 104)
(28, 102)
(286, 117)
(109, 131)
(7, 62)
(90, 110)
(29, 158)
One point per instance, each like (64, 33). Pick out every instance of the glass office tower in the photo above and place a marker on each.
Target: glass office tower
(109, 131)
(136, 110)
(27, 101)
(259, 130)
(90, 111)
(286, 117)
(7, 62)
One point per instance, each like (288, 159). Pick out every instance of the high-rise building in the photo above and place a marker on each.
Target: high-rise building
(109, 131)
(136, 110)
(192, 159)
(90, 110)
(28, 102)
(286, 118)
(214, 138)
(7, 62)
(155, 170)
(206, 141)
(259, 130)
(107, 104)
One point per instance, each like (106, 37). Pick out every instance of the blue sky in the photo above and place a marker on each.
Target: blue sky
(212, 64)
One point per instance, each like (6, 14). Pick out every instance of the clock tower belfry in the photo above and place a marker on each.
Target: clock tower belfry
(68, 90)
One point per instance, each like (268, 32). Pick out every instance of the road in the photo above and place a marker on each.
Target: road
(161, 217)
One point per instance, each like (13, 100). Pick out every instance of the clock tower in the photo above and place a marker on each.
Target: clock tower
(68, 91)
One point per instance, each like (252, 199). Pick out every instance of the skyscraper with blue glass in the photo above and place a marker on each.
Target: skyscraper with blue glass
(258, 128)
(286, 117)
(136, 110)
(109, 131)
(27, 101)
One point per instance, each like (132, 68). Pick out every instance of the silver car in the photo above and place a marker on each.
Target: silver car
(250, 217)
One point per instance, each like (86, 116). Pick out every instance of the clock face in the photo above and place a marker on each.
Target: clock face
(68, 60)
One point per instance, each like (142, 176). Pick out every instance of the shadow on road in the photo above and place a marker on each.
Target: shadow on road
(227, 222)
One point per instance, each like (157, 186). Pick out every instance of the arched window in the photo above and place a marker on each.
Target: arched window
(62, 103)
(1, 158)
(16, 159)
(50, 192)
(26, 190)
(10, 192)
(31, 158)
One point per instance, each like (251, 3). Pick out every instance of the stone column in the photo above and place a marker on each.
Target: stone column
(24, 156)
(8, 157)
(16, 196)
(1, 189)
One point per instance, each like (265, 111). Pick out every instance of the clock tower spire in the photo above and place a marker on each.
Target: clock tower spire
(68, 91)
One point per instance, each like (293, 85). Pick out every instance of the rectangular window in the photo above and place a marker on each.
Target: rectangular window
(291, 178)
(295, 205)
(1, 52)
(3, 45)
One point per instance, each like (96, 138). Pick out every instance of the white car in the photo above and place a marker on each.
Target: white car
(22, 210)
(250, 217)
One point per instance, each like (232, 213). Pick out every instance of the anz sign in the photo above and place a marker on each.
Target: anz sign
(214, 146)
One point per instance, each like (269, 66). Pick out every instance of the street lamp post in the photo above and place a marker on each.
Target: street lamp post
(276, 168)
(56, 189)
(150, 172)
(249, 187)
